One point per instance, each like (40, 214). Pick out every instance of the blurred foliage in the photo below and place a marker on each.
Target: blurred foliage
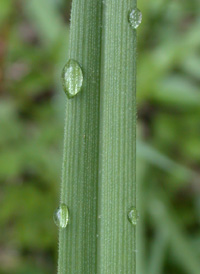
(33, 49)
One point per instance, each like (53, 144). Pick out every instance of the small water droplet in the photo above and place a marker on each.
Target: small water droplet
(135, 18)
(133, 215)
(72, 78)
(61, 216)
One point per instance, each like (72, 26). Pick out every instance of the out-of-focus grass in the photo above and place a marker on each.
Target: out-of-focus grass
(33, 49)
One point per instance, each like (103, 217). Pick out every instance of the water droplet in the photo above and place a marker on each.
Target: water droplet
(133, 215)
(61, 216)
(72, 78)
(135, 18)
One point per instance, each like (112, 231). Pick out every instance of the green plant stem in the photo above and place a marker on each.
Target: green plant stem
(117, 170)
(77, 242)
(98, 181)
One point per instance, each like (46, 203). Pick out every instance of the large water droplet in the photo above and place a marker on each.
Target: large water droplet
(133, 215)
(61, 216)
(135, 18)
(72, 78)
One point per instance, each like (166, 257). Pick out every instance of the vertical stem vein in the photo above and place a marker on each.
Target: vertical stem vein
(117, 185)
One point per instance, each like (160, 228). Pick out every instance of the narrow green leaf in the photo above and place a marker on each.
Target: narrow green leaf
(177, 91)
(141, 238)
(180, 245)
(46, 20)
(154, 157)
(158, 252)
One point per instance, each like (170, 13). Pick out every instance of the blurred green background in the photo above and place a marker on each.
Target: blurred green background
(33, 50)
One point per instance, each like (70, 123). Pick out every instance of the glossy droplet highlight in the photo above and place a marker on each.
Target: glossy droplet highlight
(133, 215)
(72, 78)
(61, 216)
(135, 18)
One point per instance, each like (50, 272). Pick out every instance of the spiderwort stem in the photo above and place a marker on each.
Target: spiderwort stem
(98, 179)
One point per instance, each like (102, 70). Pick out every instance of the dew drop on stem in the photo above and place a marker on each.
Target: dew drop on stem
(133, 216)
(61, 216)
(72, 78)
(135, 18)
